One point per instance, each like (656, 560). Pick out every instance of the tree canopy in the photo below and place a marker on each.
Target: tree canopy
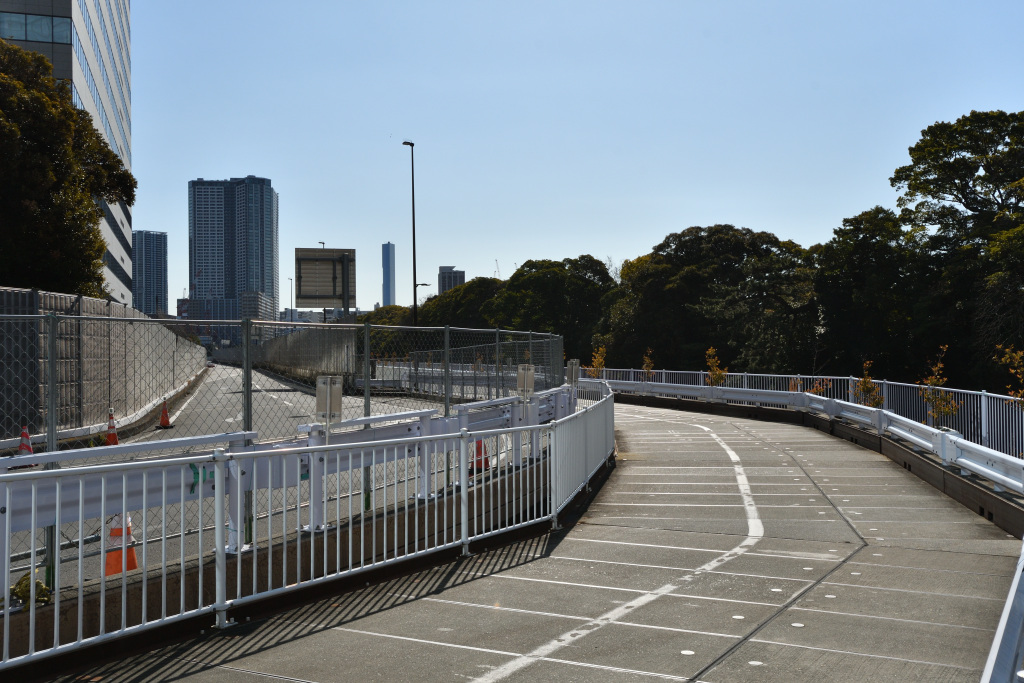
(53, 166)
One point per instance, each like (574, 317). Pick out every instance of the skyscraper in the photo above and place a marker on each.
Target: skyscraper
(89, 44)
(232, 249)
(388, 262)
(448, 277)
(149, 271)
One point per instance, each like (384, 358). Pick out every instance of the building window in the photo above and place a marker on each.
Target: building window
(62, 30)
(35, 27)
(12, 26)
(39, 28)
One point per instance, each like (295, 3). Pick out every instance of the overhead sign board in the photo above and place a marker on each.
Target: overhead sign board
(325, 278)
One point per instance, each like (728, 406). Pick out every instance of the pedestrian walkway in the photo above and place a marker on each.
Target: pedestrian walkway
(720, 549)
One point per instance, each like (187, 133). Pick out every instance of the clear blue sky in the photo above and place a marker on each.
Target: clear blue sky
(548, 129)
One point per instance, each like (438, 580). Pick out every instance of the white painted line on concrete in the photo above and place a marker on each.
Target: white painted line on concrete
(884, 618)
(862, 654)
(183, 406)
(698, 505)
(930, 569)
(471, 648)
(682, 569)
(755, 531)
(908, 590)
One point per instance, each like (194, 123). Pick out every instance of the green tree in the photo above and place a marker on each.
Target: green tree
(53, 166)
(461, 306)
(965, 184)
(563, 297)
(867, 282)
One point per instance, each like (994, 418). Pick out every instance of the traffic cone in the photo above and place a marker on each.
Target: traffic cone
(165, 420)
(111, 430)
(479, 463)
(25, 448)
(119, 539)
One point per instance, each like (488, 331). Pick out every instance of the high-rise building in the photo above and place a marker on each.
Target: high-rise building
(448, 277)
(149, 271)
(388, 262)
(232, 249)
(89, 44)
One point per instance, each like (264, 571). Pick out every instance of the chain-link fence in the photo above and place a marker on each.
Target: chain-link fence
(64, 376)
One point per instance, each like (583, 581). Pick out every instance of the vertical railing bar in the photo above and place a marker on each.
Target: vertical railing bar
(181, 544)
(56, 566)
(350, 520)
(298, 520)
(163, 542)
(125, 535)
(81, 559)
(32, 572)
(220, 556)
(362, 517)
(373, 503)
(202, 504)
(145, 545)
(103, 554)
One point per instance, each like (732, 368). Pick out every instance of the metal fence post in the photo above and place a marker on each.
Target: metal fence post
(464, 490)
(220, 553)
(984, 418)
(366, 370)
(850, 389)
(447, 372)
(497, 365)
(885, 394)
(247, 376)
(50, 533)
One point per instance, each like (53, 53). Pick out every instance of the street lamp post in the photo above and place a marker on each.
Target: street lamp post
(415, 285)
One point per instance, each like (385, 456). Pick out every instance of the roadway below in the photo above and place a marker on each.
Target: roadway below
(720, 549)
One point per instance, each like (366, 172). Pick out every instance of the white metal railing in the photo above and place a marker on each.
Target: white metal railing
(992, 420)
(271, 518)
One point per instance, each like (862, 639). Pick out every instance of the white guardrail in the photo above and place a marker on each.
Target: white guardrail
(163, 538)
(1005, 472)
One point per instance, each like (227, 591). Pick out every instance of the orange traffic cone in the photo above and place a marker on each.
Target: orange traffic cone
(118, 539)
(480, 463)
(165, 420)
(111, 430)
(25, 448)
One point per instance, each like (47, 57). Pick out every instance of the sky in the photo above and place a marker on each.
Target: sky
(547, 130)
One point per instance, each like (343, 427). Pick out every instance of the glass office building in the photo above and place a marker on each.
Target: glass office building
(232, 249)
(149, 271)
(89, 44)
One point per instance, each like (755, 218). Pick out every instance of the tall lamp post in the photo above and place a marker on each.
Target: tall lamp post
(415, 285)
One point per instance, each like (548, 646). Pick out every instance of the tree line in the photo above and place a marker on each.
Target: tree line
(940, 279)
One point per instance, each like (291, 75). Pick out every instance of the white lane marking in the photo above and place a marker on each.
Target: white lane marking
(688, 596)
(681, 569)
(908, 590)
(721, 505)
(183, 406)
(884, 618)
(778, 553)
(755, 531)
(471, 648)
(862, 654)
